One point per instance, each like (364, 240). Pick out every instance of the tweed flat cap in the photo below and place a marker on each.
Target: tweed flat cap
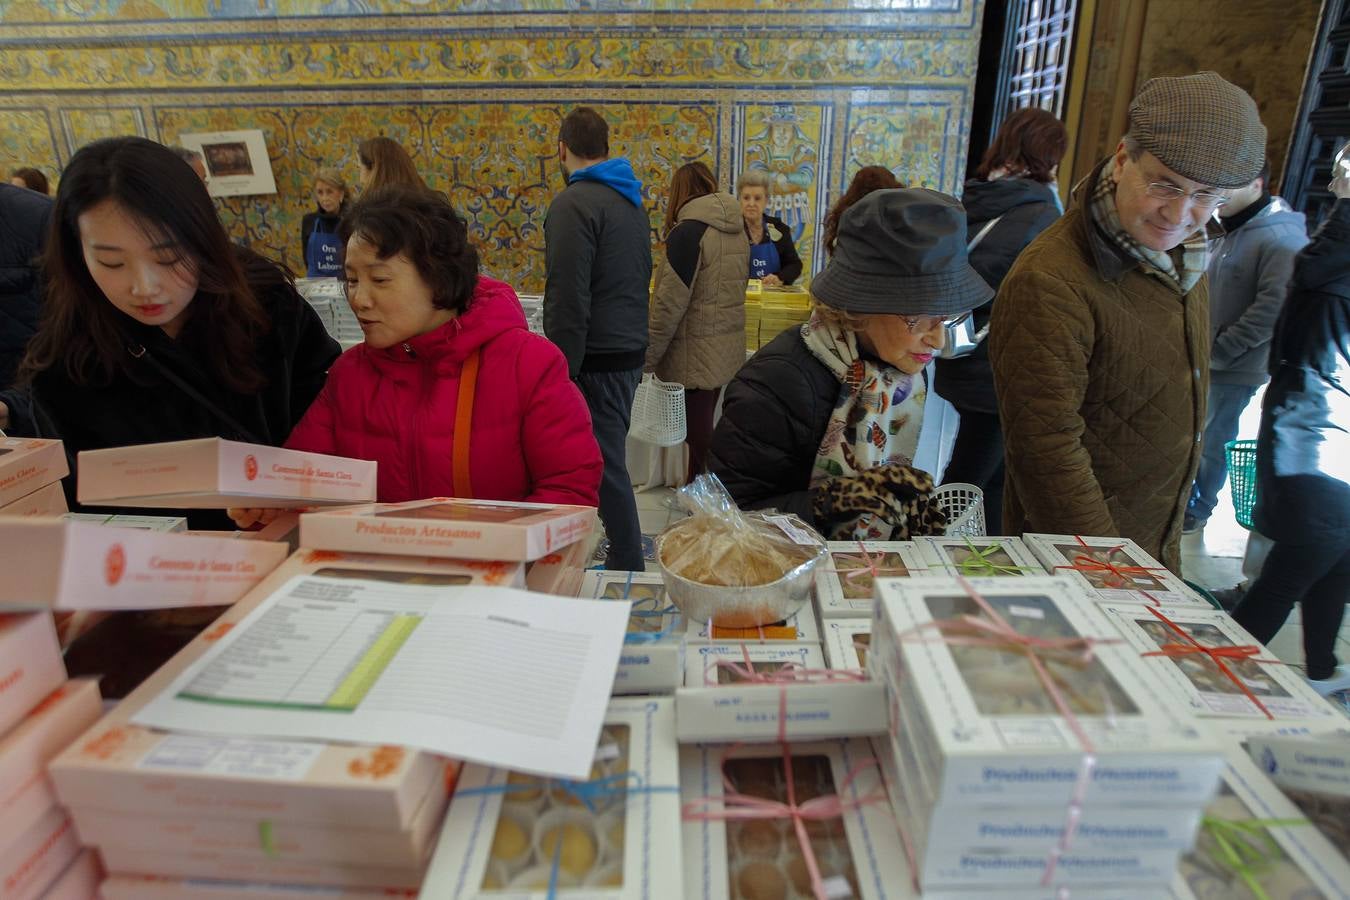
(1201, 127)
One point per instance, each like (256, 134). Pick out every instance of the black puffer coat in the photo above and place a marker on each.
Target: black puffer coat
(1303, 447)
(774, 416)
(24, 215)
(1028, 208)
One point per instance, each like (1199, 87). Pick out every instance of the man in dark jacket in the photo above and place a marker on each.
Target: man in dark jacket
(597, 242)
(23, 226)
(1249, 271)
(1303, 456)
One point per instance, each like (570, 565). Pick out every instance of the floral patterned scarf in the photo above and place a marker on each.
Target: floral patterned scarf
(876, 419)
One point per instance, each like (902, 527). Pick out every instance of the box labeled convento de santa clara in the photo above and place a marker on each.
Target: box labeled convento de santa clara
(1111, 569)
(26, 749)
(213, 473)
(613, 836)
(58, 564)
(1246, 683)
(986, 727)
(116, 765)
(652, 661)
(28, 464)
(30, 664)
(719, 702)
(444, 526)
(45, 501)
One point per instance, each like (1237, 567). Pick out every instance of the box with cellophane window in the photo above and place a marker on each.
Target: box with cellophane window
(513, 835)
(1313, 771)
(444, 526)
(847, 642)
(652, 661)
(1111, 569)
(984, 557)
(1212, 667)
(844, 585)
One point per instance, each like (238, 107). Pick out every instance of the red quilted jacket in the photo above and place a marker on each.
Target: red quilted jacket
(531, 437)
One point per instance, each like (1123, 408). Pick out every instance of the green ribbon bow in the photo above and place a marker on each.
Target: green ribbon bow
(978, 563)
(1245, 847)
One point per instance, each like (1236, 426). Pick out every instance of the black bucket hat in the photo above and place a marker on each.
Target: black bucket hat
(902, 252)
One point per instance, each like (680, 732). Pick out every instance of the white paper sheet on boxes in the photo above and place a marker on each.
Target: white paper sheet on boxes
(484, 674)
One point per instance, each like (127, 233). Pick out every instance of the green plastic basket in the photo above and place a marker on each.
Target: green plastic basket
(1242, 478)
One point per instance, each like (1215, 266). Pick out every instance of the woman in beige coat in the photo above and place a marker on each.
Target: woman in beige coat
(697, 319)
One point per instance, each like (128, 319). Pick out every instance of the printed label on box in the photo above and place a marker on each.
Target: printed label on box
(280, 760)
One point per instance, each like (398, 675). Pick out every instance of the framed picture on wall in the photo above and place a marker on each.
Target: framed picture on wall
(236, 162)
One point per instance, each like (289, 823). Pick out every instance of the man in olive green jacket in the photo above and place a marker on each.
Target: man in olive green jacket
(1099, 338)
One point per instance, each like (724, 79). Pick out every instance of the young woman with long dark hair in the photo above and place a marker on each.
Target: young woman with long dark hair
(155, 327)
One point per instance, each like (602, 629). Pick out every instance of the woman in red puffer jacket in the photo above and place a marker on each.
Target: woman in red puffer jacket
(445, 348)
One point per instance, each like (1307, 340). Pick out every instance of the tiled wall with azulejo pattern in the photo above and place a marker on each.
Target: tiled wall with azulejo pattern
(810, 90)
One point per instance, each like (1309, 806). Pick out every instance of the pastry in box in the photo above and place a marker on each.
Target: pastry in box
(844, 585)
(986, 557)
(57, 564)
(1113, 569)
(847, 642)
(1286, 858)
(462, 529)
(719, 702)
(991, 728)
(45, 501)
(1196, 679)
(213, 473)
(30, 664)
(858, 854)
(652, 661)
(611, 837)
(29, 464)
(119, 766)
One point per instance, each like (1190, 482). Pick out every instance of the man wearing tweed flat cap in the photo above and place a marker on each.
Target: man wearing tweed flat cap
(1100, 337)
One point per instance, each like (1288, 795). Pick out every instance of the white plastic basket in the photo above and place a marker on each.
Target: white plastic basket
(964, 506)
(658, 412)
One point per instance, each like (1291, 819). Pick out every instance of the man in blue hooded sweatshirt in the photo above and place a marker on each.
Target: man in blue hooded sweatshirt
(597, 243)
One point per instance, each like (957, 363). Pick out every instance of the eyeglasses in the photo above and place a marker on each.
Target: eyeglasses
(925, 324)
(1205, 199)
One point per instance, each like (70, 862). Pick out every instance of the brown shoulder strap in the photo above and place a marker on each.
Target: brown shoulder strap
(460, 482)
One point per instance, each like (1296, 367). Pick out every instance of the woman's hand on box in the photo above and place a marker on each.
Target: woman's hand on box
(247, 517)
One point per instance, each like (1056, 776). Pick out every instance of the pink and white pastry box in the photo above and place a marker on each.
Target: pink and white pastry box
(45, 501)
(561, 572)
(213, 473)
(336, 843)
(442, 526)
(27, 464)
(220, 865)
(117, 766)
(38, 856)
(57, 564)
(161, 887)
(27, 748)
(30, 663)
(79, 881)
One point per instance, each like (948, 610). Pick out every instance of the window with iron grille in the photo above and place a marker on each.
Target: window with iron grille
(1038, 36)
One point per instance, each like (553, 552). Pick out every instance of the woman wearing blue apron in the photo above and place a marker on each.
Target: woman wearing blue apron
(318, 230)
(773, 258)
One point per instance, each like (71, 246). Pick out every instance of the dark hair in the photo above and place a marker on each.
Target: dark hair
(585, 133)
(691, 180)
(32, 179)
(422, 225)
(389, 163)
(81, 330)
(865, 181)
(187, 154)
(1030, 142)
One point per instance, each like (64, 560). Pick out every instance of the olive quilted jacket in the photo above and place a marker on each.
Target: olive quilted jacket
(1101, 372)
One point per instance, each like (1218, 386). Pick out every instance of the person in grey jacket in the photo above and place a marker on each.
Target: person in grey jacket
(1249, 272)
(597, 244)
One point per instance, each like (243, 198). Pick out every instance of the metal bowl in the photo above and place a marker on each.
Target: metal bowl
(739, 607)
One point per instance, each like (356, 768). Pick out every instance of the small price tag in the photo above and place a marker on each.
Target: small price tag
(606, 752)
(791, 529)
(1026, 612)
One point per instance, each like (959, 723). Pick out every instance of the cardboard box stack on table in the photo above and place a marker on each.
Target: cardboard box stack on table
(31, 470)
(181, 806)
(654, 648)
(1018, 759)
(40, 713)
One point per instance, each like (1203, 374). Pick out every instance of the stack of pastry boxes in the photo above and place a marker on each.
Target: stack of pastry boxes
(995, 786)
(30, 477)
(176, 807)
(40, 713)
(844, 587)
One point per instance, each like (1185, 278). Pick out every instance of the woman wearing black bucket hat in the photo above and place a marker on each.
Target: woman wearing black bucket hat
(824, 421)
